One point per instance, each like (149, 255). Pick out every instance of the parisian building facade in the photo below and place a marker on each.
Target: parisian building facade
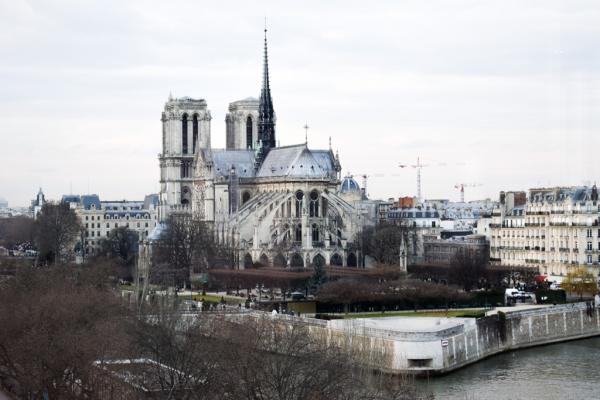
(98, 218)
(550, 230)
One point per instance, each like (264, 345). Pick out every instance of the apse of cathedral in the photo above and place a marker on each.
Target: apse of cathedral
(284, 206)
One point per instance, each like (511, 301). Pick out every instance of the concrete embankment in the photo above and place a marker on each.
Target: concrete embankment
(518, 329)
(423, 345)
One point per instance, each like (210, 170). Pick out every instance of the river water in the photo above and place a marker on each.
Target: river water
(569, 370)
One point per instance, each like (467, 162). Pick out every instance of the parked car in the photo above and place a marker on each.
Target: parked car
(298, 296)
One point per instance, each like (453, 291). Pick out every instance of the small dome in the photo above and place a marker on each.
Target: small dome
(349, 185)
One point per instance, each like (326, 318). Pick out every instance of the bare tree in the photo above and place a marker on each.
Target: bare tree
(468, 269)
(16, 232)
(56, 232)
(121, 245)
(55, 324)
(186, 247)
(383, 242)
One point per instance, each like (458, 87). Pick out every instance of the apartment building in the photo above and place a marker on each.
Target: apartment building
(551, 230)
(98, 218)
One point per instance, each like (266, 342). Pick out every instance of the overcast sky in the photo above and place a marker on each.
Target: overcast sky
(502, 93)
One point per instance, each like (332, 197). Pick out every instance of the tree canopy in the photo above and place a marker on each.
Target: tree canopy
(580, 281)
(57, 229)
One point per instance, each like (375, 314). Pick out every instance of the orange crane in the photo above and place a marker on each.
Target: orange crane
(462, 186)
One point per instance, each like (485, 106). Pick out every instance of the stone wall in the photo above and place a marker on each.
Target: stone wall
(442, 350)
(515, 330)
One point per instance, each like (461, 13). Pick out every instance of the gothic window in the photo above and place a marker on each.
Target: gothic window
(319, 260)
(184, 132)
(298, 236)
(296, 261)
(314, 203)
(279, 261)
(315, 233)
(185, 195)
(245, 197)
(264, 260)
(186, 169)
(194, 133)
(249, 143)
(336, 260)
(287, 237)
(352, 261)
(299, 197)
(248, 261)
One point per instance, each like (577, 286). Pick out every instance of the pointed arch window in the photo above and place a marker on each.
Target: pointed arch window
(194, 133)
(299, 197)
(184, 132)
(249, 143)
(315, 233)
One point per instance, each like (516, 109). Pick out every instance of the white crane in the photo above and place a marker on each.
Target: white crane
(418, 166)
(462, 186)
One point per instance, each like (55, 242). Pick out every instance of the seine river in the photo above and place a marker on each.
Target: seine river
(569, 370)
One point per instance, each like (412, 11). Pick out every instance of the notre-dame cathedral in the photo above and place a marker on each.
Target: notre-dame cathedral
(278, 206)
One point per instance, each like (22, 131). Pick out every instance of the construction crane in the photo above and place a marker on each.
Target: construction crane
(365, 177)
(418, 166)
(462, 186)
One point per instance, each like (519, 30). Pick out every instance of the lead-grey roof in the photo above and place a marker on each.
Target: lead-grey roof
(241, 160)
(297, 161)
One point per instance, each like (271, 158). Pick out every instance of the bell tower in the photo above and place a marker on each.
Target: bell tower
(185, 130)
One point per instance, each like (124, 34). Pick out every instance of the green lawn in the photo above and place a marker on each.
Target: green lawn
(216, 299)
(450, 313)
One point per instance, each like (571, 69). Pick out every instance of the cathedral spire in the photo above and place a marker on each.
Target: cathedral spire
(266, 115)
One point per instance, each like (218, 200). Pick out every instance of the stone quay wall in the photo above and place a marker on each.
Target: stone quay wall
(460, 343)
(516, 330)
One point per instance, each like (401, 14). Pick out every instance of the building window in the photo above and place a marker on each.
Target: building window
(315, 233)
(589, 233)
(314, 203)
(194, 133)
(184, 132)
(249, 143)
(589, 245)
(298, 233)
(185, 169)
(589, 258)
(299, 197)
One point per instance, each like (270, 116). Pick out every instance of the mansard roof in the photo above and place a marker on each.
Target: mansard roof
(571, 194)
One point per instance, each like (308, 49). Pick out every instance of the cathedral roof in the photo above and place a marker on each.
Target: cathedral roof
(241, 160)
(297, 161)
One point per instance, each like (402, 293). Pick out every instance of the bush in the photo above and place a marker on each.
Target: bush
(545, 296)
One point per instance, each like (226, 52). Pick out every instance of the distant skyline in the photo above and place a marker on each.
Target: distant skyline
(502, 93)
